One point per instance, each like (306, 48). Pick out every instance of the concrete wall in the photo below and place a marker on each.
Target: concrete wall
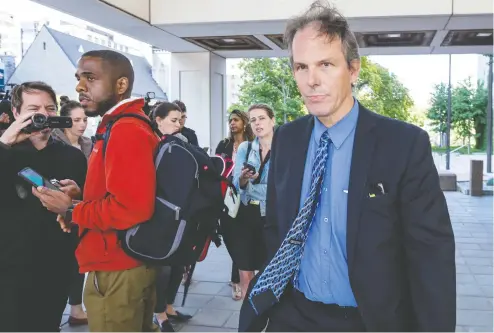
(139, 8)
(198, 79)
(46, 61)
(193, 11)
(218, 99)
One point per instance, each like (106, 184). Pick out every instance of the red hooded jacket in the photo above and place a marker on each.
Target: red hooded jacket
(119, 192)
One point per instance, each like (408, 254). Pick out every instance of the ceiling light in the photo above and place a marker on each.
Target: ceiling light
(393, 35)
(229, 40)
(484, 34)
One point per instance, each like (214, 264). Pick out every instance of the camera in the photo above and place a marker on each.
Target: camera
(147, 108)
(41, 122)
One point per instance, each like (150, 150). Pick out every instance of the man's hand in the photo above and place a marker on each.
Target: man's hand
(4, 118)
(14, 134)
(66, 228)
(71, 188)
(55, 201)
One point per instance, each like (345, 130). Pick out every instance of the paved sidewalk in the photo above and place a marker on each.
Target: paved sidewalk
(209, 298)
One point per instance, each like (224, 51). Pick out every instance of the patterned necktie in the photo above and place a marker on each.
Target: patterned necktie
(286, 262)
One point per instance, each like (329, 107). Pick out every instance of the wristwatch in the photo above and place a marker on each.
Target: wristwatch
(68, 214)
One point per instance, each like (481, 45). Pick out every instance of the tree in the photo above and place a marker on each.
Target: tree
(235, 106)
(382, 92)
(468, 110)
(271, 81)
(461, 105)
(479, 114)
(438, 112)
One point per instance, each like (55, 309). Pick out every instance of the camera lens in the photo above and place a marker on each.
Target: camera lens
(39, 120)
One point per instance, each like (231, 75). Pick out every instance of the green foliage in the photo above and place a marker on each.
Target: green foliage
(236, 106)
(468, 110)
(438, 112)
(461, 102)
(382, 92)
(271, 81)
(479, 114)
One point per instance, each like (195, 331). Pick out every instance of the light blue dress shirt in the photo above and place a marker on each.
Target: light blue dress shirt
(323, 275)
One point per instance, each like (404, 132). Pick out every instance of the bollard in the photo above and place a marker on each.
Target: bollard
(476, 178)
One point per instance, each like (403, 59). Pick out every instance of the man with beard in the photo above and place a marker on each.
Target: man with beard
(119, 193)
(35, 255)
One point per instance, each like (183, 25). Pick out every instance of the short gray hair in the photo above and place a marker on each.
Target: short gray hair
(331, 24)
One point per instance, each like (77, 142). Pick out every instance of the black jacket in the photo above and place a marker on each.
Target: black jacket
(401, 248)
(225, 147)
(190, 135)
(29, 232)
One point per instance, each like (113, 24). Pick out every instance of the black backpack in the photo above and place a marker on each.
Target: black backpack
(187, 207)
(188, 204)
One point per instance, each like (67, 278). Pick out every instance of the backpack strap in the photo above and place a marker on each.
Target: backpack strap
(261, 168)
(106, 136)
(83, 233)
(249, 148)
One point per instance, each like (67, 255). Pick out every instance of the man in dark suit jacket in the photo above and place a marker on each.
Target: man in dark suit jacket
(379, 253)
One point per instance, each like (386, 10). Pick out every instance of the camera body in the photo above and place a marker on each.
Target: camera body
(41, 122)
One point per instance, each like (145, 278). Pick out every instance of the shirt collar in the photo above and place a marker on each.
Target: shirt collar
(27, 145)
(339, 131)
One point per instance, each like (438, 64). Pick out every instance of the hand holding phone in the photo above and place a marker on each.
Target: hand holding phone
(250, 167)
(35, 179)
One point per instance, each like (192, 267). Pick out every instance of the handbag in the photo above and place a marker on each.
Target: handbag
(232, 201)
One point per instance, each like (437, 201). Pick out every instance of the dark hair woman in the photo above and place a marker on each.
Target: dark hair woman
(240, 131)
(166, 118)
(74, 135)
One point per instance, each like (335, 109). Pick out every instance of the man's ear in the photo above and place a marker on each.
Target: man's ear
(122, 86)
(354, 71)
(16, 113)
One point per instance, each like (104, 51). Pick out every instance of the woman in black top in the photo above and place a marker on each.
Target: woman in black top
(240, 131)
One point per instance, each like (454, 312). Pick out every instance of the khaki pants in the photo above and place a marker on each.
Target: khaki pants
(121, 301)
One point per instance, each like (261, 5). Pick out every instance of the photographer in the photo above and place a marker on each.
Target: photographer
(34, 253)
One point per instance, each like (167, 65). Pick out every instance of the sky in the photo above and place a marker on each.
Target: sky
(418, 73)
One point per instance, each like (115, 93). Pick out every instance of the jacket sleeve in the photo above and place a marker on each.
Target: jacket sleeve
(271, 237)
(80, 167)
(239, 164)
(130, 182)
(218, 150)
(7, 172)
(429, 241)
(194, 140)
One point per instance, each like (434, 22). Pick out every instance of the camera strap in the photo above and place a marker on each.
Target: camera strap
(263, 164)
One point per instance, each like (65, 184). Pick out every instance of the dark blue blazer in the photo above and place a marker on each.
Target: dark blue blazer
(400, 245)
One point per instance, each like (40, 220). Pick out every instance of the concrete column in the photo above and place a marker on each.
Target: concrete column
(476, 178)
(199, 80)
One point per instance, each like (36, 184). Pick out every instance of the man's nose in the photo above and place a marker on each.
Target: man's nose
(44, 111)
(81, 87)
(313, 78)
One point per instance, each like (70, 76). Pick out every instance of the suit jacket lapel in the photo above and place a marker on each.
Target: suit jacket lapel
(363, 148)
(297, 165)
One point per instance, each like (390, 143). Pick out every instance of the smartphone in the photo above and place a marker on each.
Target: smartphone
(250, 167)
(35, 179)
